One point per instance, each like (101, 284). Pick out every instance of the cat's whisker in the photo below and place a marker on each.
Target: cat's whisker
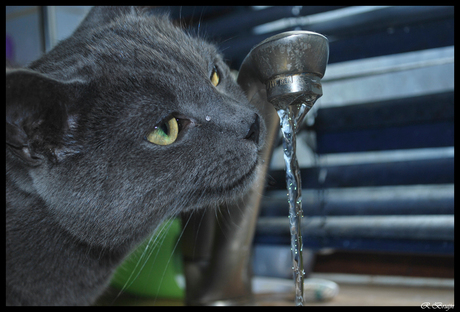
(236, 225)
(221, 225)
(199, 227)
(164, 235)
(146, 254)
(171, 255)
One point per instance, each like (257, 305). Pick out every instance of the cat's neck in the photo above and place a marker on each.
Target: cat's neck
(71, 270)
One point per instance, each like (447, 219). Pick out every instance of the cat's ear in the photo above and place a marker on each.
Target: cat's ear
(36, 114)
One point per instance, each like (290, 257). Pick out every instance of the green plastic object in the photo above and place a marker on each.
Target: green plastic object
(155, 268)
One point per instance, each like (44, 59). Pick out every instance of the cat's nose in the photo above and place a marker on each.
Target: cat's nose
(253, 132)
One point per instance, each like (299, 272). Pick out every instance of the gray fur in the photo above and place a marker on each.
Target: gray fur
(83, 185)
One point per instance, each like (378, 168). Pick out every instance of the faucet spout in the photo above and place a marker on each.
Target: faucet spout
(290, 65)
(282, 70)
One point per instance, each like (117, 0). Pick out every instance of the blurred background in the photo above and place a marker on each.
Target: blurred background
(376, 152)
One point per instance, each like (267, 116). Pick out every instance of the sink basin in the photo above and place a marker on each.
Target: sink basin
(279, 291)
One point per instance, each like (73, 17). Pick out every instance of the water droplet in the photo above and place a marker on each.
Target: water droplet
(208, 118)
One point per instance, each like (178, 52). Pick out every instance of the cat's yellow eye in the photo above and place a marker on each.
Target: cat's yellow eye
(166, 133)
(215, 79)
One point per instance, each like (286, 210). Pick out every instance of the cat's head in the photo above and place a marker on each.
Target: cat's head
(127, 122)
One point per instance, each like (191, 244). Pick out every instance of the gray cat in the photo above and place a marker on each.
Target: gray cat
(126, 123)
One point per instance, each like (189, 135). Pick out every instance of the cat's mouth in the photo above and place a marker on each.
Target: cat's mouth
(243, 181)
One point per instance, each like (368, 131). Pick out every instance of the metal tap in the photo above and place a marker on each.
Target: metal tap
(282, 70)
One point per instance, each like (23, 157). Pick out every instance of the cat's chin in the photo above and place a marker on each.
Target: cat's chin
(245, 181)
(238, 187)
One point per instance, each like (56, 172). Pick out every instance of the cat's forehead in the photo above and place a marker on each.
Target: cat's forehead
(146, 55)
(129, 45)
(153, 41)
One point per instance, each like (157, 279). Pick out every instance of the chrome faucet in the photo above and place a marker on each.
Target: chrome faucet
(285, 69)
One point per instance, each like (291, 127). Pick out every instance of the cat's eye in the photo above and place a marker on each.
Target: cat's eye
(165, 133)
(215, 78)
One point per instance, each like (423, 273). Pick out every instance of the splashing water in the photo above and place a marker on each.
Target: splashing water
(289, 118)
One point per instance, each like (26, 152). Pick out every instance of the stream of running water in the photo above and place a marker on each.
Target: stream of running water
(289, 119)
